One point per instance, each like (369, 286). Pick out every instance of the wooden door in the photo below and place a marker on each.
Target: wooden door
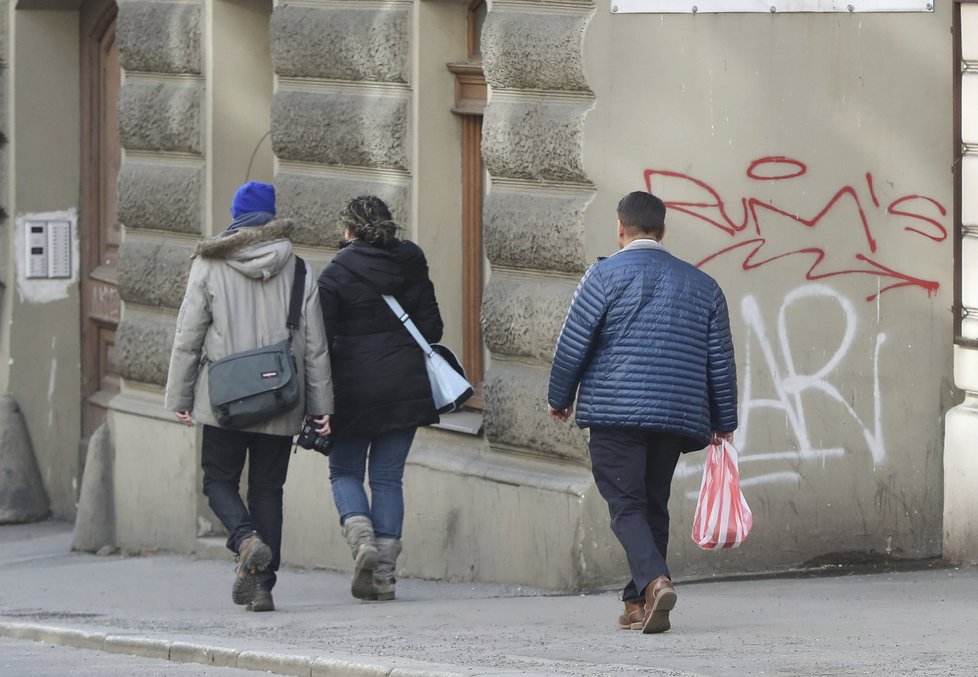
(99, 228)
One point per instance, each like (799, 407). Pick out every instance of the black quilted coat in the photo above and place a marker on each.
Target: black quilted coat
(379, 378)
(647, 338)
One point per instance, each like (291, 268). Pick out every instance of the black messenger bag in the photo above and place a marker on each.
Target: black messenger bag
(257, 385)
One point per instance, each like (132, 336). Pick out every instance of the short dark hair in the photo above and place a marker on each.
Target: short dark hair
(643, 212)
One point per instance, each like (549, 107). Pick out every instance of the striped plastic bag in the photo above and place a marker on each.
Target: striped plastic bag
(723, 518)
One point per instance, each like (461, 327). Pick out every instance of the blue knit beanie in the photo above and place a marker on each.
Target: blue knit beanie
(253, 196)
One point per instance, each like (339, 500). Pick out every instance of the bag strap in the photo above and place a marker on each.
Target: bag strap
(408, 323)
(298, 288)
(395, 307)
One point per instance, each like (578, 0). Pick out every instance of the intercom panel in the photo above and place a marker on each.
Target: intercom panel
(48, 249)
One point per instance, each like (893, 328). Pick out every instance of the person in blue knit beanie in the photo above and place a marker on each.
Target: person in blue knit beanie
(253, 205)
(252, 265)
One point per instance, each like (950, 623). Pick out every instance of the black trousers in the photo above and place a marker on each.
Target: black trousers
(223, 457)
(633, 470)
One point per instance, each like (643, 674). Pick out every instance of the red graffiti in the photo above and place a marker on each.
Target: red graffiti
(775, 160)
(756, 220)
(941, 230)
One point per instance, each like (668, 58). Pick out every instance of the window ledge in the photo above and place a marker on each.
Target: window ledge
(466, 422)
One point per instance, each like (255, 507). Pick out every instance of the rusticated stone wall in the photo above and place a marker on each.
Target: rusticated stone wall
(532, 149)
(161, 181)
(340, 112)
(4, 227)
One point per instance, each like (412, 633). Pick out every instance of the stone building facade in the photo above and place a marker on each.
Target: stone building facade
(816, 187)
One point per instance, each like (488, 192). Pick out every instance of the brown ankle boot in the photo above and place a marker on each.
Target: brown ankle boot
(262, 602)
(633, 617)
(660, 599)
(253, 556)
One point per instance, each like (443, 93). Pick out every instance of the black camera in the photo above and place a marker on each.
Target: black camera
(310, 439)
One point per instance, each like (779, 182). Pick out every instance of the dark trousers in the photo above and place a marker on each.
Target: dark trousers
(633, 471)
(223, 457)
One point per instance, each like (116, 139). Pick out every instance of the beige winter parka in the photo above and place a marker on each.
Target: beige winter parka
(237, 299)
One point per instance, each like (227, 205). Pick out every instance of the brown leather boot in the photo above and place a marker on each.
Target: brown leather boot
(262, 602)
(634, 616)
(660, 599)
(253, 556)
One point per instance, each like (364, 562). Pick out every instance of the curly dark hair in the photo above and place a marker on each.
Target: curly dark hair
(369, 219)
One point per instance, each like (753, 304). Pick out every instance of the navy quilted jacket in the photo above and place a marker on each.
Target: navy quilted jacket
(647, 338)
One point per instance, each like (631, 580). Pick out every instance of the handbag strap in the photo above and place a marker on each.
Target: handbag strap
(396, 307)
(408, 323)
(295, 303)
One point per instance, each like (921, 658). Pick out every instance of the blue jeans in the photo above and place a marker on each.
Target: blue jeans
(223, 455)
(386, 455)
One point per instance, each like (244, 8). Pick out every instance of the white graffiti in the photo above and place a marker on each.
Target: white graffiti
(777, 360)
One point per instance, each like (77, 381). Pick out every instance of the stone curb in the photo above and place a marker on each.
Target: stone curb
(185, 652)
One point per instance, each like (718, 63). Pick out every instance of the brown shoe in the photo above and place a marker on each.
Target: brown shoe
(262, 601)
(633, 617)
(253, 556)
(660, 599)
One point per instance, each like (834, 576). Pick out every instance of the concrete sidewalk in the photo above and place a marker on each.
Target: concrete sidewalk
(178, 608)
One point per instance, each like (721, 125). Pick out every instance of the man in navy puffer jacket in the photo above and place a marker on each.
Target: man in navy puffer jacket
(647, 340)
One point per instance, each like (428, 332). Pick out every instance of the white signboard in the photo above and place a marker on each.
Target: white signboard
(768, 6)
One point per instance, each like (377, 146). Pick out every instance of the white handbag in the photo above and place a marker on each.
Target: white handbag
(449, 387)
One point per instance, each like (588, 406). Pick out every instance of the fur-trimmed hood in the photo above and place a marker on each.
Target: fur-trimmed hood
(257, 251)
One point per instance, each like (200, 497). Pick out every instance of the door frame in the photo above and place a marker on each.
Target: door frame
(96, 19)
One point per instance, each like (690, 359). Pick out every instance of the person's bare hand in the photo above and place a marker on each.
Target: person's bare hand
(560, 414)
(722, 437)
(323, 425)
(185, 417)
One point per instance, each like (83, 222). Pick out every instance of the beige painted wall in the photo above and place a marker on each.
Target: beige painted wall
(843, 382)
(239, 73)
(849, 455)
(437, 154)
(469, 515)
(44, 373)
(155, 476)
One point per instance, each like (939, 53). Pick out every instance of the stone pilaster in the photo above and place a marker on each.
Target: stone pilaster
(161, 181)
(154, 273)
(4, 157)
(316, 203)
(142, 345)
(159, 37)
(161, 117)
(352, 44)
(961, 422)
(532, 147)
(161, 196)
(340, 111)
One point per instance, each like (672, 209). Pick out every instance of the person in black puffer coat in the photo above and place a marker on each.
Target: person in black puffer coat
(382, 392)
